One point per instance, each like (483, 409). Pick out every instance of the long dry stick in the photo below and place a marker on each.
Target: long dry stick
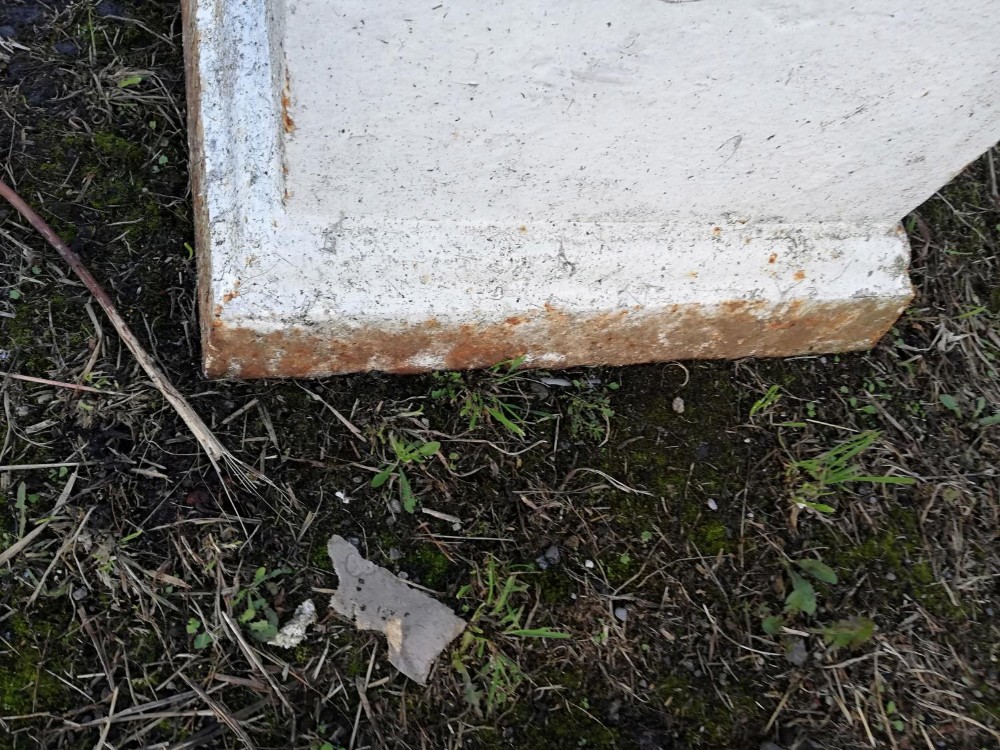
(56, 383)
(213, 448)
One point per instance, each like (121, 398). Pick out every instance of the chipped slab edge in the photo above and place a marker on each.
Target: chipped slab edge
(556, 339)
(259, 328)
(196, 144)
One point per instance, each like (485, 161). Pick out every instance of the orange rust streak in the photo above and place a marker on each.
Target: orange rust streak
(734, 329)
(230, 295)
(286, 105)
(286, 118)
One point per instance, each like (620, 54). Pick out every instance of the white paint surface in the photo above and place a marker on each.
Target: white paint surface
(464, 162)
(634, 110)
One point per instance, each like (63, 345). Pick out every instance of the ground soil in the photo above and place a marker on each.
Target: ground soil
(648, 520)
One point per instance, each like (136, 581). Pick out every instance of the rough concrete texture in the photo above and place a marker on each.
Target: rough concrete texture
(385, 186)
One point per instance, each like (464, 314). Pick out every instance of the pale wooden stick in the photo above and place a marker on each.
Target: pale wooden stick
(57, 383)
(213, 447)
(33, 467)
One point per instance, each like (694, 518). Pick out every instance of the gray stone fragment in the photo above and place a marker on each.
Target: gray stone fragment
(416, 626)
(294, 630)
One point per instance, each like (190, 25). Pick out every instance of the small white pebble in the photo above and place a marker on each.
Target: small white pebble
(344, 498)
(588, 563)
(712, 505)
(678, 405)
(621, 613)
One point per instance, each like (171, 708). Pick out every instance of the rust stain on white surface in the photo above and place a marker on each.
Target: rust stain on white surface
(386, 186)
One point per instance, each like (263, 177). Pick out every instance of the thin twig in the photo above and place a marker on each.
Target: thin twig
(248, 652)
(340, 417)
(960, 717)
(213, 448)
(88, 628)
(103, 738)
(34, 467)
(614, 482)
(361, 704)
(55, 560)
(224, 716)
(58, 383)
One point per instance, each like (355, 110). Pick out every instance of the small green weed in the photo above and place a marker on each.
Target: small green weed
(22, 499)
(765, 402)
(487, 404)
(815, 478)
(491, 677)
(850, 633)
(124, 83)
(260, 620)
(405, 453)
(203, 638)
(949, 403)
(895, 719)
(802, 600)
(977, 413)
(588, 409)
(802, 597)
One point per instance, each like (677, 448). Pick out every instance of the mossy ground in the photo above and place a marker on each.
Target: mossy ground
(27, 671)
(673, 526)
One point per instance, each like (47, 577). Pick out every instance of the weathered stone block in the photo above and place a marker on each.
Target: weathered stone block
(387, 185)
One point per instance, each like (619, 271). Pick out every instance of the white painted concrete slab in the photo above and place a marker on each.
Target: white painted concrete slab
(389, 185)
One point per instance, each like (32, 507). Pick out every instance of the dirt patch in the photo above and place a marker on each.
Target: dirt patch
(630, 545)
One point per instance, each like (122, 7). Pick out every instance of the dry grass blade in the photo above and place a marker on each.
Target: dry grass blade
(57, 384)
(12, 551)
(224, 716)
(251, 656)
(961, 717)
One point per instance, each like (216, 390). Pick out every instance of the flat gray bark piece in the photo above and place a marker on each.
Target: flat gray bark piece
(416, 626)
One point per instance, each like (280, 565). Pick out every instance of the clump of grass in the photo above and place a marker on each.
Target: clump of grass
(820, 477)
(489, 401)
(491, 677)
